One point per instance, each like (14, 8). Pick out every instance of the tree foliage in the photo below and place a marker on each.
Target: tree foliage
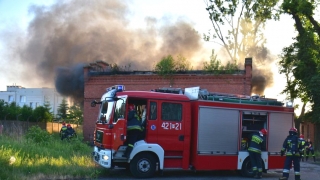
(168, 65)
(76, 114)
(238, 25)
(301, 60)
(214, 66)
(63, 109)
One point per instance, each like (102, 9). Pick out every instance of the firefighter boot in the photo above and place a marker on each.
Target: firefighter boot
(283, 178)
(128, 151)
(259, 176)
(297, 177)
(255, 173)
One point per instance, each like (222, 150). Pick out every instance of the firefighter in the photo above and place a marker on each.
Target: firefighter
(310, 149)
(70, 131)
(291, 147)
(303, 144)
(256, 145)
(133, 130)
(143, 122)
(63, 131)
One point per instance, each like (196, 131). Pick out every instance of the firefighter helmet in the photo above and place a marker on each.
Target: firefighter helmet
(301, 136)
(68, 125)
(264, 131)
(131, 107)
(293, 131)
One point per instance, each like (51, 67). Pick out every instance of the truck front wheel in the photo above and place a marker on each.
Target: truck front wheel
(143, 165)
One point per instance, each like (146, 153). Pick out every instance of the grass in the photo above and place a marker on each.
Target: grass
(40, 155)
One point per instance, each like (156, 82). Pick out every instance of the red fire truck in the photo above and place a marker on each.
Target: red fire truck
(189, 129)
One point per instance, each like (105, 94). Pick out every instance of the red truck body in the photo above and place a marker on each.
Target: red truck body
(194, 130)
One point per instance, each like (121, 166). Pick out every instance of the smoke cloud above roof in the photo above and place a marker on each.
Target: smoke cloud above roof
(67, 35)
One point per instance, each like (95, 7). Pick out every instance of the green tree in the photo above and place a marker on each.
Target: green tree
(303, 57)
(25, 112)
(11, 110)
(76, 114)
(181, 64)
(214, 64)
(48, 113)
(2, 109)
(238, 25)
(166, 66)
(63, 109)
(41, 114)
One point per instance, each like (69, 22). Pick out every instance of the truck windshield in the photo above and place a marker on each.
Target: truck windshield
(119, 111)
(105, 111)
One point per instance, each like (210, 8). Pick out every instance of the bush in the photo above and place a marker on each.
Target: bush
(37, 135)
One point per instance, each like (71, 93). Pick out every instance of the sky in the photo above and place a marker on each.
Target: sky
(41, 40)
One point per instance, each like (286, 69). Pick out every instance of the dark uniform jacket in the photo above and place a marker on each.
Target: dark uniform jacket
(256, 143)
(133, 121)
(292, 146)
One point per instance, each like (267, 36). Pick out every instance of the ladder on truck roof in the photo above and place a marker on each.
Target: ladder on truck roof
(204, 94)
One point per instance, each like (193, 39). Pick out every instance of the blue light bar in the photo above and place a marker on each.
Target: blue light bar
(118, 88)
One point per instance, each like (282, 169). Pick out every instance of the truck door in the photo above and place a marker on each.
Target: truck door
(152, 123)
(171, 127)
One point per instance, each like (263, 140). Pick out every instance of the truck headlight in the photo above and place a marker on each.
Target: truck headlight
(105, 157)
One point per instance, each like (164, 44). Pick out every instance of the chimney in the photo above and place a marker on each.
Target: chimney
(248, 67)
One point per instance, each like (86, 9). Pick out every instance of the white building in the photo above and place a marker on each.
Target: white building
(33, 97)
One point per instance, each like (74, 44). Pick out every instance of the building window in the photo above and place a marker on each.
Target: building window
(171, 111)
(10, 100)
(37, 104)
(23, 99)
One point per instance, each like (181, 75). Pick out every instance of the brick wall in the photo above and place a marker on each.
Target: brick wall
(307, 129)
(95, 86)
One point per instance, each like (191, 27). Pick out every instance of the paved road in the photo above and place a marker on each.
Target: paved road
(309, 171)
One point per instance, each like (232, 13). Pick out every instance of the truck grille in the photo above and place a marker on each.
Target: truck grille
(96, 157)
(99, 136)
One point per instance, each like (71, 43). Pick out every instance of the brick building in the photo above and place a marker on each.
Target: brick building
(98, 77)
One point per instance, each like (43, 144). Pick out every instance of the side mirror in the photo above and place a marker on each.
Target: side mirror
(93, 103)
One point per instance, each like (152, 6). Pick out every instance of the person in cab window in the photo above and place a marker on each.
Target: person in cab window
(255, 147)
(310, 149)
(143, 121)
(292, 148)
(303, 143)
(133, 129)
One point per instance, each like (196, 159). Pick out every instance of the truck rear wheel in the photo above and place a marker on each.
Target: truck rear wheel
(246, 169)
(143, 165)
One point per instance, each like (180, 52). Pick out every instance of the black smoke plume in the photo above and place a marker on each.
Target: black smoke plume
(69, 34)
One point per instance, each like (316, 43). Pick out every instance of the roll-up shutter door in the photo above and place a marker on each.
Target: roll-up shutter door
(279, 126)
(218, 131)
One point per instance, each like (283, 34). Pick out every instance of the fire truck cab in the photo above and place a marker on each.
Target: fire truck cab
(188, 129)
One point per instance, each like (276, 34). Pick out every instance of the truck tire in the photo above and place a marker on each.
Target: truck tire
(143, 165)
(246, 169)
